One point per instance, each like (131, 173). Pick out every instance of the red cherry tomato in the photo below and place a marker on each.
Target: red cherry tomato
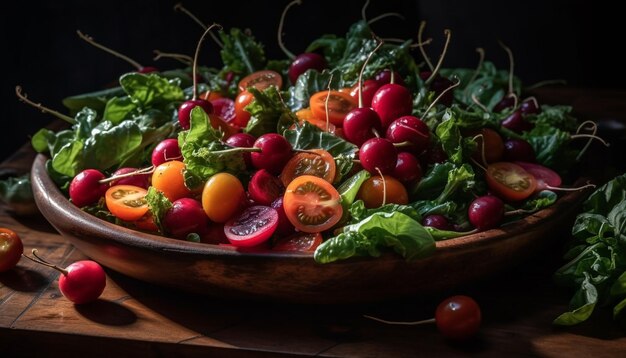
(318, 162)
(127, 202)
(312, 204)
(299, 242)
(510, 181)
(11, 249)
(458, 317)
(339, 105)
(261, 80)
(241, 115)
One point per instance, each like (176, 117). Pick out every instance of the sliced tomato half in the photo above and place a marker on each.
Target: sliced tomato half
(317, 162)
(312, 204)
(127, 202)
(261, 80)
(299, 242)
(339, 105)
(510, 181)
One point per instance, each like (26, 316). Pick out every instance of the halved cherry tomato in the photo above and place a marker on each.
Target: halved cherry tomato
(372, 191)
(127, 202)
(305, 114)
(546, 177)
(261, 80)
(339, 104)
(241, 115)
(510, 181)
(312, 204)
(168, 178)
(317, 162)
(222, 197)
(299, 242)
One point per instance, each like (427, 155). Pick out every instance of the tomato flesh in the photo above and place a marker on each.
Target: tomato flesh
(317, 162)
(261, 80)
(510, 181)
(312, 204)
(339, 105)
(252, 227)
(127, 202)
(299, 242)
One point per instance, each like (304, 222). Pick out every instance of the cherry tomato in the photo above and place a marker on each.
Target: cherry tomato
(168, 179)
(493, 146)
(299, 242)
(211, 95)
(261, 80)
(252, 227)
(127, 202)
(11, 249)
(218, 123)
(458, 317)
(241, 115)
(312, 204)
(510, 181)
(146, 223)
(319, 163)
(222, 197)
(305, 114)
(84, 282)
(373, 189)
(339, 105)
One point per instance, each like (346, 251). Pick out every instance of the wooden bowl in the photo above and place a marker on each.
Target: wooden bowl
(293, 277)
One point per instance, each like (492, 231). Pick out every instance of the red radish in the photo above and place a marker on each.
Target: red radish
(285, 227)
(410, 129)
(516, 122)
(378, 154)
(369, 88)
(510, 99)
(264, 188)
(225, 108)
(86, 187)
(275, 152)
(546, 177)
(486, 212)
(407, 168)
(184, 111)
(303, 62)
(518, 150)
(437, 221)
(140, 179)
(385, 76)
(165, 151)
(242, 140)
(392, 101)
(140, 68)
(80, 282)
(530, 106)
(185, 217)
(252, 227)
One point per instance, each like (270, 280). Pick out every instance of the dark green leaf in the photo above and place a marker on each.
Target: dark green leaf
(118, 109)
(542, 200)
(582, 305)
(241, 53)
(94, 100)
(266, 111)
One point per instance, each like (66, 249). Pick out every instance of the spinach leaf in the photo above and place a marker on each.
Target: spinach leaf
(201, 146)
(551, 146)
(380, 230)
(241, 53)
(360, 212)
(542, 200)
(331, 46)
(94, 100)
(597, 254)
(348, 191)
(432, 183)
(119, 108)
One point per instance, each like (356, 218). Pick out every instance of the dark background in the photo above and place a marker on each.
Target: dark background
(576, 41)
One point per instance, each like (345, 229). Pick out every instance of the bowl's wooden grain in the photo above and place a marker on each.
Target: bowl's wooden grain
(224, 272)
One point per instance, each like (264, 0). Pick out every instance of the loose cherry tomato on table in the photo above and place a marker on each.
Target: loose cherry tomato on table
(11, 249)
(317, 162)
(127, 202)
(339, 105)
(510, 181)
(312, 204)
(261, 80)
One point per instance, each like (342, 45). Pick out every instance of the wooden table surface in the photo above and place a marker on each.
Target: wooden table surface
(133, 318)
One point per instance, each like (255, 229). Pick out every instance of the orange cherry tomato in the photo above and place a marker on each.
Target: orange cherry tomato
(126, 202)
(11, 249)
(168, 178)
(305, 114)
(241, 115)
(317, 162)
(510, 181)
(261, 80)
(372, 191)
(299, 242)
(339, 104)
(346, 90)
(312, 204)
(493, 146)
(222, 197)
